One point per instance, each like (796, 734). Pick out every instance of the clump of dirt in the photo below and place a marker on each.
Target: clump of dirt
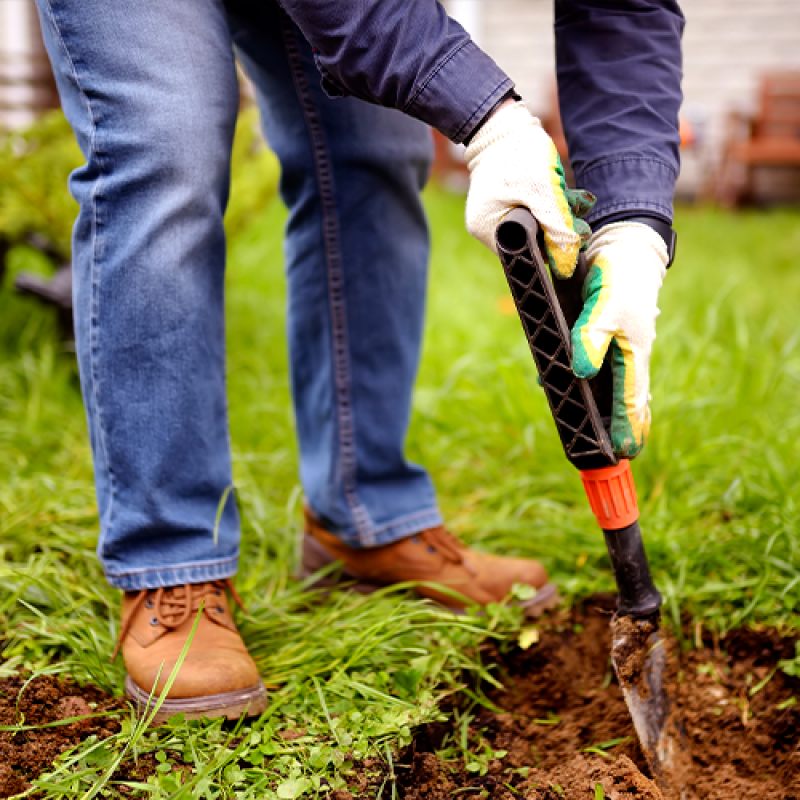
(633, 642)
(28, 753)
(562, 727)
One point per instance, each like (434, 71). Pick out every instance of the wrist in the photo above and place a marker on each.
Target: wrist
(508, 99)
(629, 244)
(664, 230)
(658, 224)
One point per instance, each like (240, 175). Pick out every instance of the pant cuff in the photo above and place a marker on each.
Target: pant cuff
(173, 576)
(400, 528)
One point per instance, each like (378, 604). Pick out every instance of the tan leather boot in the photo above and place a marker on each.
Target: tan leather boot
(433, 559)
(218, 678)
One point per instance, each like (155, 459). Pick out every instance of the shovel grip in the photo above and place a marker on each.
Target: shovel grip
(547, 311)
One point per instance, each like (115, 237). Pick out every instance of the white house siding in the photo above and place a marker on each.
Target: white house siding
(26, 83)
(728, 44)
(518, 34)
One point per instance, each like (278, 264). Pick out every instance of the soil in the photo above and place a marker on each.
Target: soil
(25, 755)
(560, 709)
(742, 745)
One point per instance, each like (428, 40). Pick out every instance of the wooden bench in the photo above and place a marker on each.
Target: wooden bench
(769, 138)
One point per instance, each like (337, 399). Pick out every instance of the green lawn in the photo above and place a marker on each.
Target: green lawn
(717, 482)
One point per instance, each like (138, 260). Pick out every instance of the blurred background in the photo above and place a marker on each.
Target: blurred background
(730, 48)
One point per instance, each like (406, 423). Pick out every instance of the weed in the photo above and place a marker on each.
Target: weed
(791, 666)
(602, 748)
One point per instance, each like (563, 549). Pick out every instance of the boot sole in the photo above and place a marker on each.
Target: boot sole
(315, 557)
(231, 705)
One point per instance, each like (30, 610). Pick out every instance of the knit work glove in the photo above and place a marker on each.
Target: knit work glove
(627, 263)
(513, 162)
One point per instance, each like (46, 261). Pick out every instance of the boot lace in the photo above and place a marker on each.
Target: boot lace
(173, 605)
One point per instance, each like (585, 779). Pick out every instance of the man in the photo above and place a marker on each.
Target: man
(150, 90)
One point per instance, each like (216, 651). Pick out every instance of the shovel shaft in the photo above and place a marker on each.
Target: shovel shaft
(638, 596)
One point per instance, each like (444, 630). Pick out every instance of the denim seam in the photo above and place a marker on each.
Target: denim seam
(477, 113)
(603, 208)
(621, 205)
(93, 328)
(388, 534)
(330, 230)
(477, 116)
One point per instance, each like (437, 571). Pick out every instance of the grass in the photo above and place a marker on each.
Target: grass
(352, 676)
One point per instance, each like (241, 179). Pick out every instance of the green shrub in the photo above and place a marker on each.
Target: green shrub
(34, 165)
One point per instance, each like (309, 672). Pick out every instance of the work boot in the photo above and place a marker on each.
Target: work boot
(218, 678)
(434, 560)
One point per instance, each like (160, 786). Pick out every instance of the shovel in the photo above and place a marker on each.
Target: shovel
(582, 411)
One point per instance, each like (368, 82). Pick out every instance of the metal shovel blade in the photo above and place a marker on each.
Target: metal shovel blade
(640, 661)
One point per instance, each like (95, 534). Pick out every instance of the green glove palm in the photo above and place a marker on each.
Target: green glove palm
(627, 264)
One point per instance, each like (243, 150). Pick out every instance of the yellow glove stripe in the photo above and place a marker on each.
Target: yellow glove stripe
(593, 352)
(629, 391)
(556, 173)
(628, 428)
(564, 264)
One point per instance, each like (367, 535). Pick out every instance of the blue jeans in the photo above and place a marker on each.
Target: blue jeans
(150, 90)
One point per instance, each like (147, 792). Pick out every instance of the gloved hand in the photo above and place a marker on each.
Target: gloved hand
(627, 263)
(513, 162)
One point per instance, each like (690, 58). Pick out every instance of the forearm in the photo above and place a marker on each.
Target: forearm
(412, 57)
(619, 74)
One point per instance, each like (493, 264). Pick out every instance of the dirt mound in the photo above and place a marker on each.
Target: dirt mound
(562, 710)
(559, 730)
(576, 777)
